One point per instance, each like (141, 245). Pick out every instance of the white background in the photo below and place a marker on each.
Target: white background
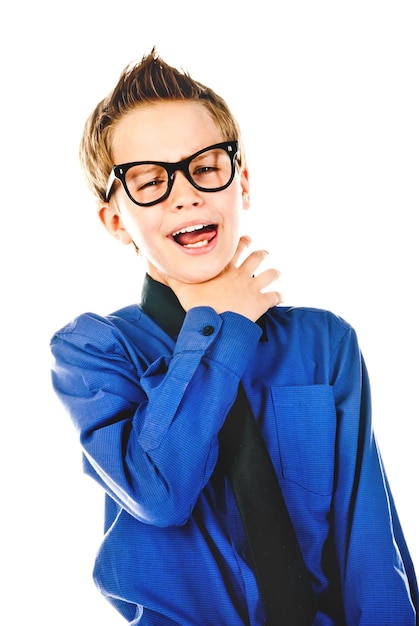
(328, 99)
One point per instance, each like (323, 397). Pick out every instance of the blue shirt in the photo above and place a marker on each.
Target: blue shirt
(148, 405)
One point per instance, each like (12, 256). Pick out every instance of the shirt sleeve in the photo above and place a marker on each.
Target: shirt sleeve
(149, 430)
(376, 572)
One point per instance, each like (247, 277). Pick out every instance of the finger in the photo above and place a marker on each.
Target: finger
(275, 298)
(267, 277)
(254, 260)
(243, 244)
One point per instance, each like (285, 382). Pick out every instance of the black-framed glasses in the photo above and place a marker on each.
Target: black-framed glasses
(149, 182)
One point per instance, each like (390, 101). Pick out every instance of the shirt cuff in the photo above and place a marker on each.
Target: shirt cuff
(228, 339)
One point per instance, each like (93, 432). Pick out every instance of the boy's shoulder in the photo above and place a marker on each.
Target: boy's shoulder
(307, 313)
(105, 330)
(85, 322)
(304, 319)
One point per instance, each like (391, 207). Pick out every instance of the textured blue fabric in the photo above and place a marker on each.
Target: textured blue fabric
(148, 409)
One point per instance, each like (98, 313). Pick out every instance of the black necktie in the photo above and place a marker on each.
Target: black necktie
(279, 567)
(275, 554)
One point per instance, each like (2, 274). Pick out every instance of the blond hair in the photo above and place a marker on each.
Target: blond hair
(150, 80)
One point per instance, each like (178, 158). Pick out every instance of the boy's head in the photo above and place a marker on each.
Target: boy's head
(147, 82)
(163, 156)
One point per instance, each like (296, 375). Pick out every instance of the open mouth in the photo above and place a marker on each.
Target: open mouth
(195, 236)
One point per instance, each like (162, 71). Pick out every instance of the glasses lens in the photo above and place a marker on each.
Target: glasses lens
(211, 169)
(147, 182)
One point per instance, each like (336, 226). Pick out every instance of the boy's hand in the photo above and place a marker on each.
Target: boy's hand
(236, 289)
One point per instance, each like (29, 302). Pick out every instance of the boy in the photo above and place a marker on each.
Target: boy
(150, 386)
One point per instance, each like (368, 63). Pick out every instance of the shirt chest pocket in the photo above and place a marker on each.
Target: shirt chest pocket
(305, 419)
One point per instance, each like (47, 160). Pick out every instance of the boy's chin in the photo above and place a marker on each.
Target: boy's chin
(205, 273)
(194, 271)
(196, 280)
(187, 278)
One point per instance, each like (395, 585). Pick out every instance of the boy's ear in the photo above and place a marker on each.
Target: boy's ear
(244, 180)
(113, 223)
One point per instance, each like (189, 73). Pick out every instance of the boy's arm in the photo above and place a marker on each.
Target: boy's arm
(150, 431)
(376, 572)
(151, 435)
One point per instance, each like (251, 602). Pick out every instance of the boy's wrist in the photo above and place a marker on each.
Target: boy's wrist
(227, 338)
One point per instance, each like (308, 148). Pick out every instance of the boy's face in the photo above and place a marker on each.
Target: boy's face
(170, 132)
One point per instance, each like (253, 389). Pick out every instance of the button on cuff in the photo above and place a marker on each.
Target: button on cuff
(199, 330)
(208, 330)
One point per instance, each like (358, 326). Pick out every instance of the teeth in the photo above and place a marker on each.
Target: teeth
(198, 244)
(189, 229)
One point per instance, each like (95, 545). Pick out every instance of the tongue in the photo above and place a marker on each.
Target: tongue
(196, 236)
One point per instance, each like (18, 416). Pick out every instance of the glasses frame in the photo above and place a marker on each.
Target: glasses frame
(119, 172)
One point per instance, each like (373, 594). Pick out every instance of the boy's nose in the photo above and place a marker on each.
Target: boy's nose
(183, 193)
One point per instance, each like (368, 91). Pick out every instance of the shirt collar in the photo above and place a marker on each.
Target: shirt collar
(162, 305)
